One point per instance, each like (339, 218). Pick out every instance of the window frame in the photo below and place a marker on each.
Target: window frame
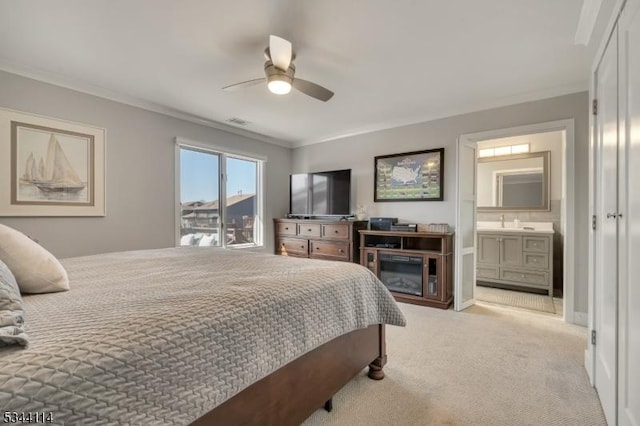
(223, 154)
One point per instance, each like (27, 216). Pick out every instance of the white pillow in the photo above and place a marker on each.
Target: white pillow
(35, 269)
(208, 240)
(186, 240)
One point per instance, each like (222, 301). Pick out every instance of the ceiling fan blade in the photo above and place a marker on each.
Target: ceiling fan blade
(312, 89)
(244, 84)
(280, 51)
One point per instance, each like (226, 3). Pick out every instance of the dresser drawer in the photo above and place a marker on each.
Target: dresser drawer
(533, 278)
(537, 244)
(536, 260)
(337, 231)
(332, 249)
(487, 272)
(293, 246)
(286, 228)
(309, 229)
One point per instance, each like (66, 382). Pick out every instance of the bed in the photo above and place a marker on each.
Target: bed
(196, 336)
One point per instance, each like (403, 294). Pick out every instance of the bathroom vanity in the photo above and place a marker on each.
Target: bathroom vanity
(516, 256)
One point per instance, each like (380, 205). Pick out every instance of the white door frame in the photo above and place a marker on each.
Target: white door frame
(568, 186)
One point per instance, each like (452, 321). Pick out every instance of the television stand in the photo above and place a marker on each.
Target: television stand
(415, 266)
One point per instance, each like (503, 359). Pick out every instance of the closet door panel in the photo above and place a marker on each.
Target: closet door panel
(606, 236)
(629, 223)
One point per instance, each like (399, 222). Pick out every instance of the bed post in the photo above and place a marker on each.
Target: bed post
(375, 368)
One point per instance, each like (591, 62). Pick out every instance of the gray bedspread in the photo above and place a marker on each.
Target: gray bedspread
(164, 336)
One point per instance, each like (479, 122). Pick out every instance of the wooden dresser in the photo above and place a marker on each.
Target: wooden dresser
(318, 239)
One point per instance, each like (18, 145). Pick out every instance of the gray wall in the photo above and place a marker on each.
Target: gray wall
(357, 153)
(140, 167)
(140, 171)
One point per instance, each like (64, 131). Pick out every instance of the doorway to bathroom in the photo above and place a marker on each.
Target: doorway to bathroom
(514, 195)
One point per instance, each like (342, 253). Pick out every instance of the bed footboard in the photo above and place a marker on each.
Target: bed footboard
(291, 394)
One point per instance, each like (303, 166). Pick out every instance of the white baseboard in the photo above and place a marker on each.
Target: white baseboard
(588, 365)
(580, 318)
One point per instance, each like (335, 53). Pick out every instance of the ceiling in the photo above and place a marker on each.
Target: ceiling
(390, 63)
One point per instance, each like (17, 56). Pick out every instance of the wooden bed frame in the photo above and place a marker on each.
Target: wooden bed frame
(291, 394)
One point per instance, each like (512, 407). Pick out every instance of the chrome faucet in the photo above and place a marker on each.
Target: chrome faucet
(501, 221)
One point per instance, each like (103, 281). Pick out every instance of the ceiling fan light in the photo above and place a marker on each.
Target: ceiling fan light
(279, 87)
(279, 83)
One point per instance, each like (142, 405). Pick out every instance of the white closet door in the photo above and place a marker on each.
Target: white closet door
(629, 223)
(606, 236)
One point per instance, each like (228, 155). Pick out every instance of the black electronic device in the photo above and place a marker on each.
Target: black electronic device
(386, 245)
(382, 223)
(320, 194)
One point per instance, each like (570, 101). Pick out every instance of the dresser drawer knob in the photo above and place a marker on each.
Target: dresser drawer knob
(336, 231)
(301, 246)
(309, 230)
(341, 251)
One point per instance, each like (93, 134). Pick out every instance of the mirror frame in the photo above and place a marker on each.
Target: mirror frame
(546, 188)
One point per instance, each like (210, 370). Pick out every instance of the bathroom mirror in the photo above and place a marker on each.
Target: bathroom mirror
(514, 182)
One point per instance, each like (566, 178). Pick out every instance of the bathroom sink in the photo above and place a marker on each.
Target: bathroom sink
(525, 227)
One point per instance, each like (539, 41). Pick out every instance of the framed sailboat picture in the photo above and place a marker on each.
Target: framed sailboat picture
(56, 167)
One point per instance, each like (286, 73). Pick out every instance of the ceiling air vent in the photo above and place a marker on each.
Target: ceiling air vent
(237, 121)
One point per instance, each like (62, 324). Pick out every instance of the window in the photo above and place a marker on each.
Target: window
(504, 150)
(219, 198)
(241, 205)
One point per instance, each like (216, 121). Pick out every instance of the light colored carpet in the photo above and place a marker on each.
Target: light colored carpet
(488, 365)
(518, 299)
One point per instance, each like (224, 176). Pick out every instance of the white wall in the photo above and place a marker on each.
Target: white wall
(358, 152)
(139, 168)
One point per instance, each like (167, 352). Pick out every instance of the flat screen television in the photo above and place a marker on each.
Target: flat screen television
(320, 194)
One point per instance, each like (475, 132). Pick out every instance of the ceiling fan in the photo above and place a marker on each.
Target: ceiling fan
(280, 73)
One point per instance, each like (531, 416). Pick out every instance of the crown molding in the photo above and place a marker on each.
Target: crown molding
(481, 106)
(587, 22)
(101, 92)
(88, 88)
